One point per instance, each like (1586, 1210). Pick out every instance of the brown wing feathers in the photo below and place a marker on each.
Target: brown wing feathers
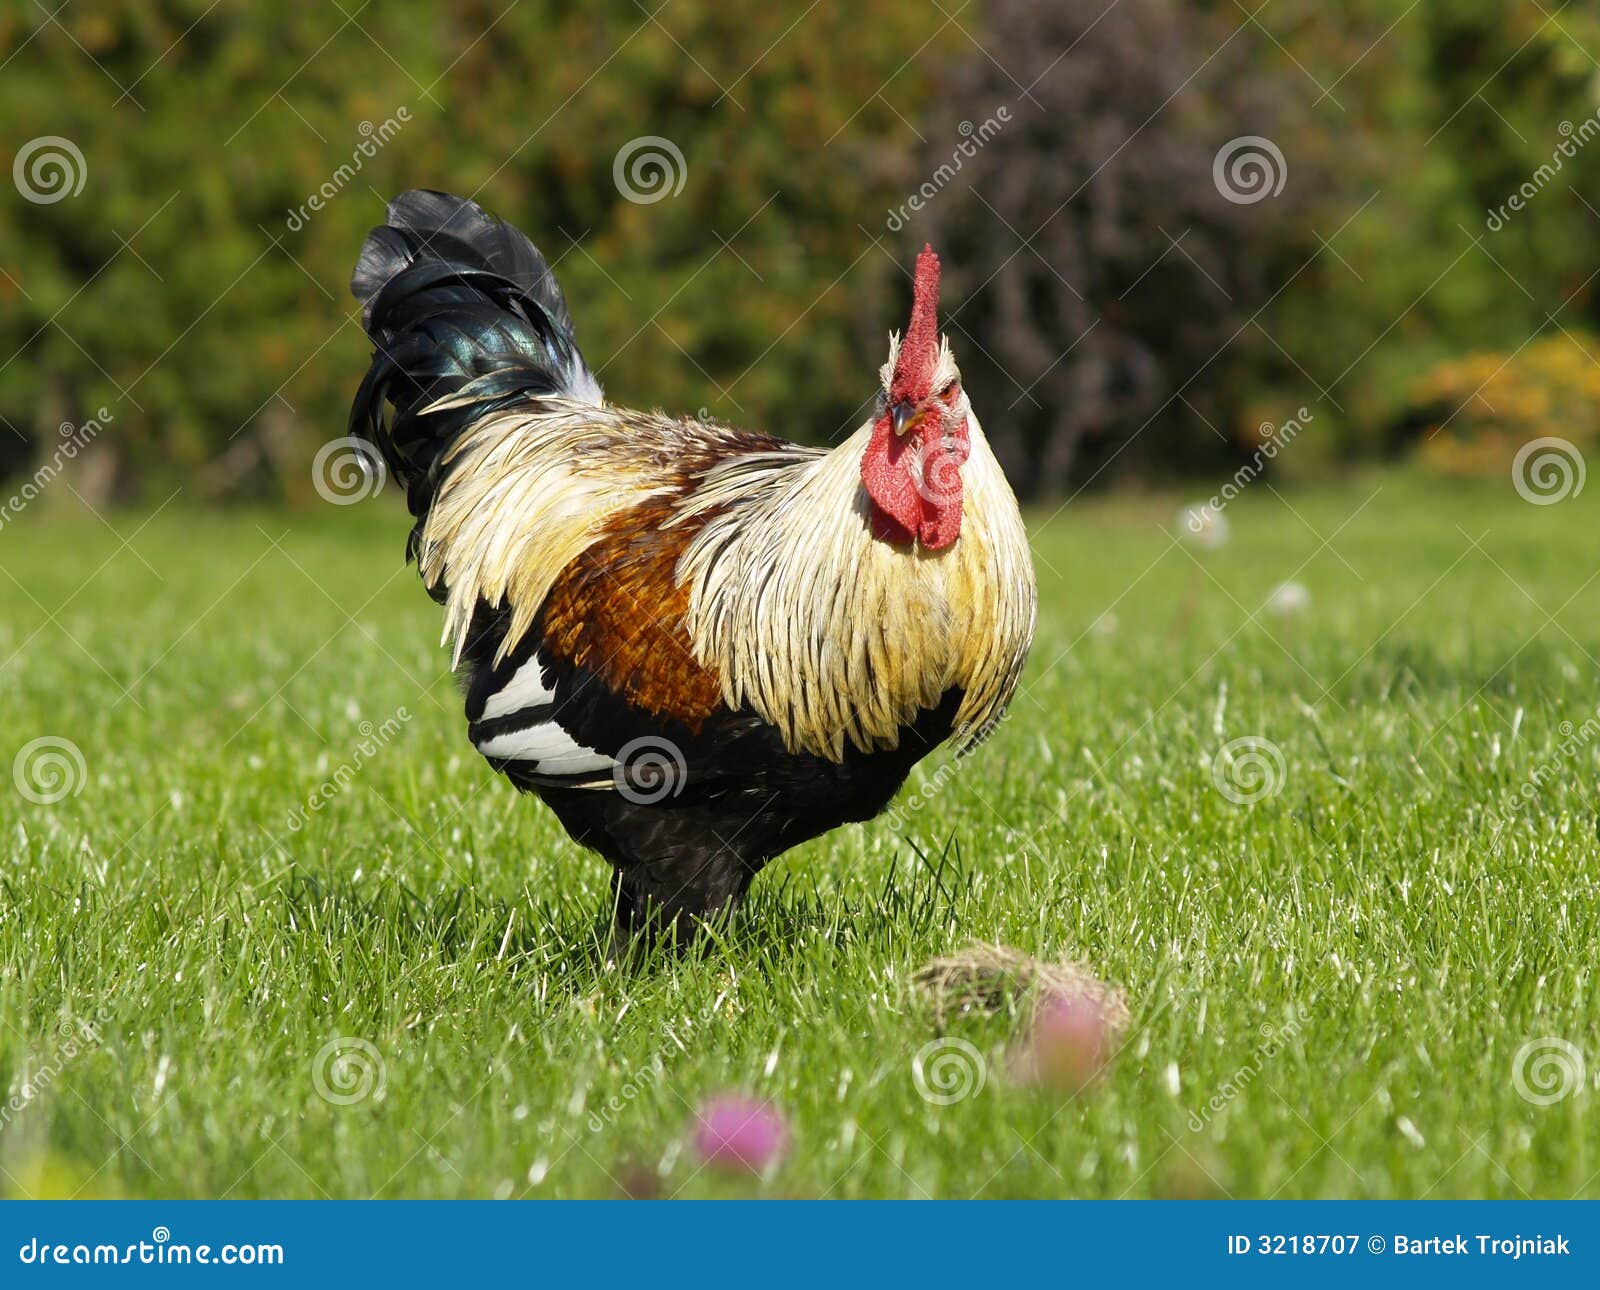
(618, 611)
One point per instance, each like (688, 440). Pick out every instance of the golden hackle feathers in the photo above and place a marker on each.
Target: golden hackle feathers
(836, 637)
(832, 636)
(525, 493)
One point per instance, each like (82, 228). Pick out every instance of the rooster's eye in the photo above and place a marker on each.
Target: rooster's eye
(951, 393)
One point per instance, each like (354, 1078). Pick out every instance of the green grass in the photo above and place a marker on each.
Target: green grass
(215, 670)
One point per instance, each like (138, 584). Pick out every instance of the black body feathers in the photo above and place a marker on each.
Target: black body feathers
(461, 307)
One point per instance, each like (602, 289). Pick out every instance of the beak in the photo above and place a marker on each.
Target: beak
(904, 414)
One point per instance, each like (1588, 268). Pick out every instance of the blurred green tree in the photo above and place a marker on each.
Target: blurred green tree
(231, 156)
(234, 155)
(1427, 118)
(1108, 278)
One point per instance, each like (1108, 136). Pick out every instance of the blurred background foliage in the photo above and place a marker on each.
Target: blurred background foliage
(1116, 317)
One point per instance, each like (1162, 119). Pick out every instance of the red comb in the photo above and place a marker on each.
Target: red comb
(919, 351)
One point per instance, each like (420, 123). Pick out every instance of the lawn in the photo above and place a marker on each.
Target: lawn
(278, 840)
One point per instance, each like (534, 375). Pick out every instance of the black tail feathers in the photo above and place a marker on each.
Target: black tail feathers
(461, 307)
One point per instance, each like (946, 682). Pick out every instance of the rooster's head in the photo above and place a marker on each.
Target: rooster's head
(912, 466)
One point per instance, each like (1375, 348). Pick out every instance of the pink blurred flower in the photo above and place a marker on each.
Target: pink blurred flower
(735, 1132)
(1072, 1038)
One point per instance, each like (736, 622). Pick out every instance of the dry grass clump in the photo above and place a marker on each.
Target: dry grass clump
(984, 978)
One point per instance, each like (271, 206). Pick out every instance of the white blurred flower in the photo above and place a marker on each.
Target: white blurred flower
(1288, 599)
(1204, 525)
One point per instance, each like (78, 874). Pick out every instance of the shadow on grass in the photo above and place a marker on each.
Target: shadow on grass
(566, 940)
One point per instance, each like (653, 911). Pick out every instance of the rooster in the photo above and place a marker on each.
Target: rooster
(700, 646)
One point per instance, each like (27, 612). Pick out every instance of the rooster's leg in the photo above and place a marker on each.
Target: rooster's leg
(671, 902)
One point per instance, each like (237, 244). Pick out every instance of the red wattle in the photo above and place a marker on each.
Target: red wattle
(914, 482)
(886, 473)
(941, 492)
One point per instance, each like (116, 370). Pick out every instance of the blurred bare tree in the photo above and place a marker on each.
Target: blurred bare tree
(1110, 281)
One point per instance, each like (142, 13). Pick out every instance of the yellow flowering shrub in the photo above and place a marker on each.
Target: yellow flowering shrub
(1471, 414)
